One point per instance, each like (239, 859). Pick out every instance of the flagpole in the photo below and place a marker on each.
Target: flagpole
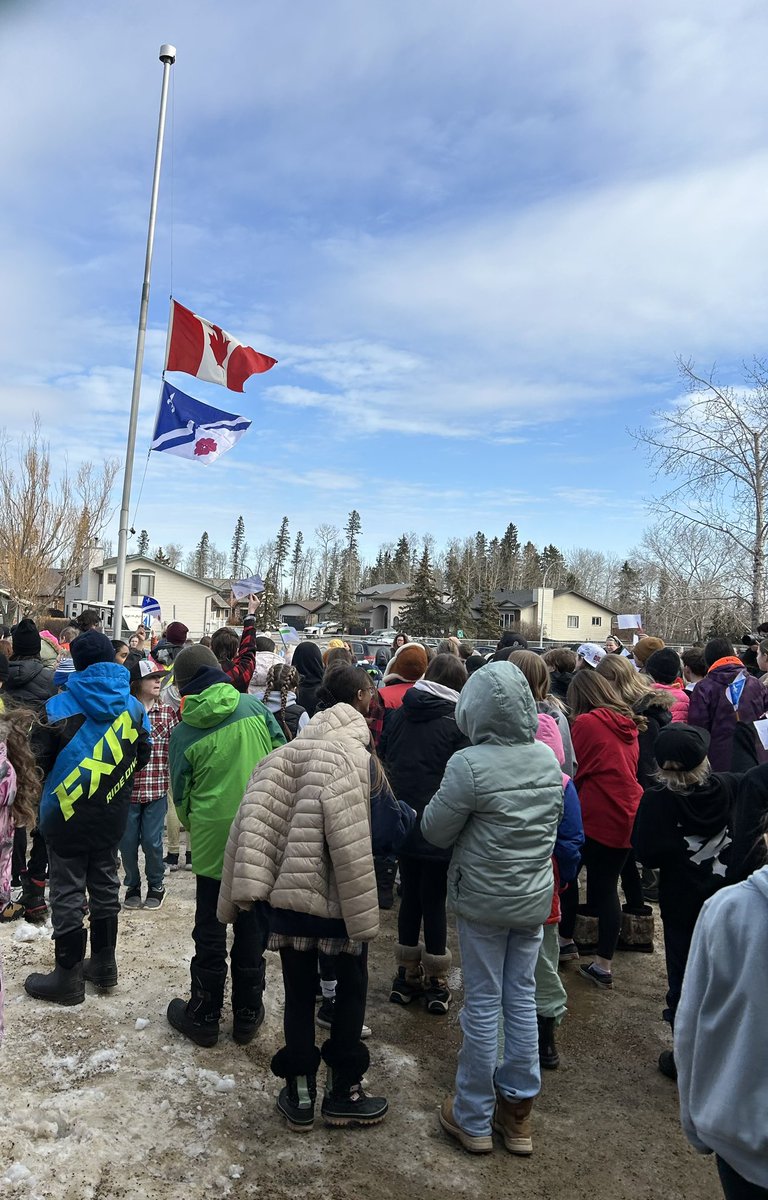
(167, 58)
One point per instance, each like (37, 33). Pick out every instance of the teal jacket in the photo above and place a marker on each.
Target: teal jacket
(212, 753)
(499, 805)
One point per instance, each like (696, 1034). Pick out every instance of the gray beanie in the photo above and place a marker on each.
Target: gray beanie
(190, 662)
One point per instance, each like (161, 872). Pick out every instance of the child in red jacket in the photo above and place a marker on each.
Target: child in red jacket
(605, 744)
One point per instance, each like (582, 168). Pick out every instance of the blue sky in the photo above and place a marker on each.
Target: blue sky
(475, 236)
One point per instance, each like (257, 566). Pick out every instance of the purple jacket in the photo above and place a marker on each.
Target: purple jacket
(711, 708)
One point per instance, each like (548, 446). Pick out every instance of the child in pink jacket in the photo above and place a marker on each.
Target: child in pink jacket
(665, 669)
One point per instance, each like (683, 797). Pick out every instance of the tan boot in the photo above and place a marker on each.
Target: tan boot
(475, 1144)
(512, 1119)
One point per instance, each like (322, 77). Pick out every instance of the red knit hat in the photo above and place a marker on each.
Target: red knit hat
(176, 633)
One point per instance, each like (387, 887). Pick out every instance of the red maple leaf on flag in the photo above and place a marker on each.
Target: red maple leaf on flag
(219, 344)
(205, 446)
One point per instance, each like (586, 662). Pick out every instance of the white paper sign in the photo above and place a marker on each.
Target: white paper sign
(761, 729)
(630, 621)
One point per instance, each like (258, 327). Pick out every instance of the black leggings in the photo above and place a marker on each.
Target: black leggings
(735, 1186)
(632, 884)
(299, 981)
(603, 865)
(424, 886)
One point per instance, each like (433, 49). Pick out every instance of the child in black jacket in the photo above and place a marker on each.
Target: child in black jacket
(683, 829)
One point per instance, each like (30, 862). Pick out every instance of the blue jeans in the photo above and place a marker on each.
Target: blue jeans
(498, 966)
(145, 829)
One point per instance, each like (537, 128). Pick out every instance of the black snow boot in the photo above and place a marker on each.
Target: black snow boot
(345, 1102)
(198, 1018)
(548, 1055)
(296, 1101)
(64, 984)
(33, 899)
(101, 968)
(247, 1006)
(386, 870)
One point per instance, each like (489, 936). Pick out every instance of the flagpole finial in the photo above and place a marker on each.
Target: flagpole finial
(167, 53)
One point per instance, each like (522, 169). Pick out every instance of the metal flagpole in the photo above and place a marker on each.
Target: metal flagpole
(167, 58)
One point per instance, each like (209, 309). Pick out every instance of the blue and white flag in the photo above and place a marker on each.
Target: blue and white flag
(191, 429)
(150, 611)
(248, 587)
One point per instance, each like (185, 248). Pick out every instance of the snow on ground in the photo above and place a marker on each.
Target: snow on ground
(104, 1101)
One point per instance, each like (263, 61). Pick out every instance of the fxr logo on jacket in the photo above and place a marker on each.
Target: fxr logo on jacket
(94, 765)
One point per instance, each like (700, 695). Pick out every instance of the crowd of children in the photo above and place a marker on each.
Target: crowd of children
(487, 785)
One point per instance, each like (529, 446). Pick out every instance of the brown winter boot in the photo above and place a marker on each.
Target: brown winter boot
(437, 995)
(637, 929)
(512, 1119)
(408, 984)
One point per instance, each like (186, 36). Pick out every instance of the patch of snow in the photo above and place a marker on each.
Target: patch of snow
(211, 1081)
(455, 979)
(141, 1023)
(32, 933)
(235, 1172)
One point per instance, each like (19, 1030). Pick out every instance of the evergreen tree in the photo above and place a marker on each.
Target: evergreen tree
(401, 562)
(161, 557)
(202, 556)
(510, 558)
(296, 560)
(282, 549)
(488, 623)
(238, 549)
(530, 571)
(269, 601)
(628, 588)
(459, 612)
(344, 608)
(423, 614)
(142, 546)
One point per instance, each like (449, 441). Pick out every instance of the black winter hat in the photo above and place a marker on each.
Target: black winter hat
(684, 744)
(91, 647)
(664, 666)
(26, 639)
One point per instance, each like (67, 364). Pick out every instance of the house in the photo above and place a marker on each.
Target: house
(379, 607)
(181, 597)
(301, 613)
(560, 614)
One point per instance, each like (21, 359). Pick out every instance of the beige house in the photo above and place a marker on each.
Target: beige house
(560, 614)
(181, 597)
(379, 607)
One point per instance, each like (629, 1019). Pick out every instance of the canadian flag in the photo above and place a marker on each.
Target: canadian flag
(199, 348)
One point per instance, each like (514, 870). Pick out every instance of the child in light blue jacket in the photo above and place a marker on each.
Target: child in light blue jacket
(721, 1031)
(498, 806)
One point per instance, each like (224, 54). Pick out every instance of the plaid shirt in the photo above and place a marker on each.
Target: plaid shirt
(152, 782)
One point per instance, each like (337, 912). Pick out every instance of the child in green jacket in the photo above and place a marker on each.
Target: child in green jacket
(213, 751)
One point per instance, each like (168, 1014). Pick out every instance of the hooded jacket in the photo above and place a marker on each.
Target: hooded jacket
(711, 708)
(417, 742)
(221, 738)
(499, 805)
(686, 835)
(681, 699)
(91, 740)
(656, 707)
(570, 832)
(748, 824)
(606, 746)
(720, 1030)
(308, 661)
(304, 836)
(29, 683)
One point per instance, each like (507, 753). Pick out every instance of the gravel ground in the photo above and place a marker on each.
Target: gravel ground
(106, 1101)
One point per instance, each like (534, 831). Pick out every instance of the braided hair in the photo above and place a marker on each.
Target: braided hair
(283, 679)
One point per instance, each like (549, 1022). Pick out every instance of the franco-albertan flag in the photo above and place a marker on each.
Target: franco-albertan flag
(194, 430)
(197, 347)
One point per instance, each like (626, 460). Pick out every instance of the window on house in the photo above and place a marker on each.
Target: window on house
(597, 620)
(111, 578)
(573, 622)
(142, 583)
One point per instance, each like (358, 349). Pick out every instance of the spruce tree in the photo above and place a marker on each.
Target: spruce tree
(296, 561)
(423, 614)
(282, 549)
(238, 549)
(142, 546)
(401, 562)
(488, 623)
(202, 555)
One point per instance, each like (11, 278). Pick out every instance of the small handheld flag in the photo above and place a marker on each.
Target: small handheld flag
(150, 611)
(248, 587)
(191, 429)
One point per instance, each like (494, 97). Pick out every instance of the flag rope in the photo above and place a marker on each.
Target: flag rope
(141, 490)
(173, 177)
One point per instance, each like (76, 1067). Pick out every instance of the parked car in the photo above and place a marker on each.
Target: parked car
(325, 629)
(363, 652)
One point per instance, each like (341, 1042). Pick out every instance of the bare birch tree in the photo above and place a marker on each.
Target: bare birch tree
(713, 447)
(49, 515)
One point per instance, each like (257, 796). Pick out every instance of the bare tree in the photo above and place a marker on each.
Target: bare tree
(714, 448)
(49, 517)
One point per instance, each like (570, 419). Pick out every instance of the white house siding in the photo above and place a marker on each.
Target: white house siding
(586, 612)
